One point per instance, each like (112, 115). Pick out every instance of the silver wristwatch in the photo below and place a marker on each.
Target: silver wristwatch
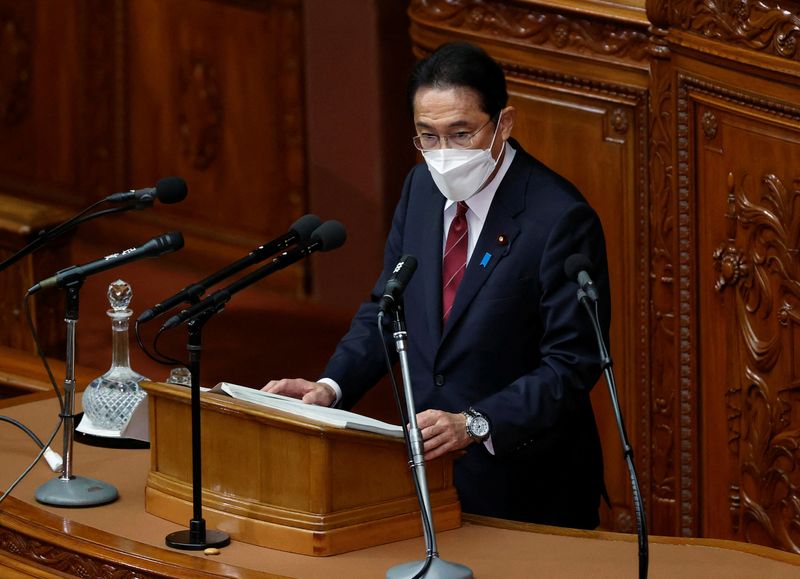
(477, 425)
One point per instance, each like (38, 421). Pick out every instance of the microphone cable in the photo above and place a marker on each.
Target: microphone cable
(164, 360)
(638, 502)
(44, 446)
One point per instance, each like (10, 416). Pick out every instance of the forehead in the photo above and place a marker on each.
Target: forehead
(433, 104)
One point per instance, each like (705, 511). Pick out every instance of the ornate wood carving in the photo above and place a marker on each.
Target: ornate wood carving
(200, 111)
(762, 25)
(15, 62)
(619, 121)
(763, 429)
(686, 321)
(709, 125)
(535, 27)
(663, 353)
(69, 562)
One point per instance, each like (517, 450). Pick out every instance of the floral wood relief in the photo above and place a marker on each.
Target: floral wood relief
(759, 25)
(764, 407)
(663, 233)
(525, 24)
(200, 116)
(15, 69)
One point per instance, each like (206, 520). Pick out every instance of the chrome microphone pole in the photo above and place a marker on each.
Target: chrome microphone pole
(69, 490)
(436, 567)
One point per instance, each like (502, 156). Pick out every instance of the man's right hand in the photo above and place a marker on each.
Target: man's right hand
(309, 392)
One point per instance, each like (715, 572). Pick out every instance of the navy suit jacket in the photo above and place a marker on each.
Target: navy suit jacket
(517, 346)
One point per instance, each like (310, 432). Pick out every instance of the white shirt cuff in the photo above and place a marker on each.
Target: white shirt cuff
(336, 389)
(489, 446)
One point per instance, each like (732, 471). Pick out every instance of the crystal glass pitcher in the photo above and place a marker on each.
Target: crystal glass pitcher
(110, 399)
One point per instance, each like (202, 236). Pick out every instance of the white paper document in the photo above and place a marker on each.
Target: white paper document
(330, 416)
(137, 426)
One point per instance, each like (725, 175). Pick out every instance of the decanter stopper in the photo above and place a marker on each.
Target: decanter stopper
(119, 296)
(109, 401)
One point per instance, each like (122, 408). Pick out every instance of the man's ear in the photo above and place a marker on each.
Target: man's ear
(507, 121)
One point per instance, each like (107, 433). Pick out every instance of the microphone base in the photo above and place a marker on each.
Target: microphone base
(191, 541)
(439, 569)
(76, 491)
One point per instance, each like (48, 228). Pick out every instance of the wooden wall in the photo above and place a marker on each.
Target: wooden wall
(129, 92)
(679, 121)
(247, 100)
(100, 96)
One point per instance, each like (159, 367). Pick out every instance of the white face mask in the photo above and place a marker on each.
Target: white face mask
(460, 173)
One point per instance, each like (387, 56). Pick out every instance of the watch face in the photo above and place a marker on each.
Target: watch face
(479, 426)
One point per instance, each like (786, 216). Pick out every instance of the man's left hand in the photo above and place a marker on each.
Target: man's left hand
(442, 432)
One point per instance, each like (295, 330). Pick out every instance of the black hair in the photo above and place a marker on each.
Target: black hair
(460, 64)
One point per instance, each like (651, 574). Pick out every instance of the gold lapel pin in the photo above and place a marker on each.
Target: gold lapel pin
(502, 239)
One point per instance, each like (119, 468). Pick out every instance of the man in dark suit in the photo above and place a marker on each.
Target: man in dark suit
(502, 358)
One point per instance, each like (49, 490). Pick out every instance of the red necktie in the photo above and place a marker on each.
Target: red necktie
(455, 259)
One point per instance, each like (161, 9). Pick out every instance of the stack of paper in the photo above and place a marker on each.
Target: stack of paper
(330, 416)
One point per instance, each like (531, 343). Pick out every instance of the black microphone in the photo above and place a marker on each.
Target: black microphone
(167, 190)
(299, 232)
(577, 268)
(166, 243)
(397, 283)
(330, 235)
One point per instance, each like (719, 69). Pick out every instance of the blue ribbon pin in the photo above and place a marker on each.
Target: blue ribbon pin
(485, 261)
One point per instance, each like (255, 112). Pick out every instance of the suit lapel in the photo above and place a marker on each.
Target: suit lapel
(508, 202)
(430, 261)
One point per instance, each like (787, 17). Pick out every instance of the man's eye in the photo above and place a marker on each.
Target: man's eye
(461, 135)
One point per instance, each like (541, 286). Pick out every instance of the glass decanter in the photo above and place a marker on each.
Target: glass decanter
(110, 399)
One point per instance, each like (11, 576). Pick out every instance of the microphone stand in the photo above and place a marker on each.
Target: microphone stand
(433, 567)
(60, 229)
(627, 450)
(68, 490)
(197, 537)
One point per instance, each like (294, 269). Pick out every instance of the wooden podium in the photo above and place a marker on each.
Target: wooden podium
(279, 481)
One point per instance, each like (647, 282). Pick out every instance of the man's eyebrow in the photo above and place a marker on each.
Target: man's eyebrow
(454, 125)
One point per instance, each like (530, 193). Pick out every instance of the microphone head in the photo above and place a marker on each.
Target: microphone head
(305, 226)
(330, 235)
(577, 263)
(169, 242)
(404, 269)
(171, 190)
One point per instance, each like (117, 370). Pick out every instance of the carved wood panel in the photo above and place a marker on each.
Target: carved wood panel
(766, 26)
(748, 199)
(670, 509)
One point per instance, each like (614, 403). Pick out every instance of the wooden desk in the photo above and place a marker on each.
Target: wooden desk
(42, 541)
